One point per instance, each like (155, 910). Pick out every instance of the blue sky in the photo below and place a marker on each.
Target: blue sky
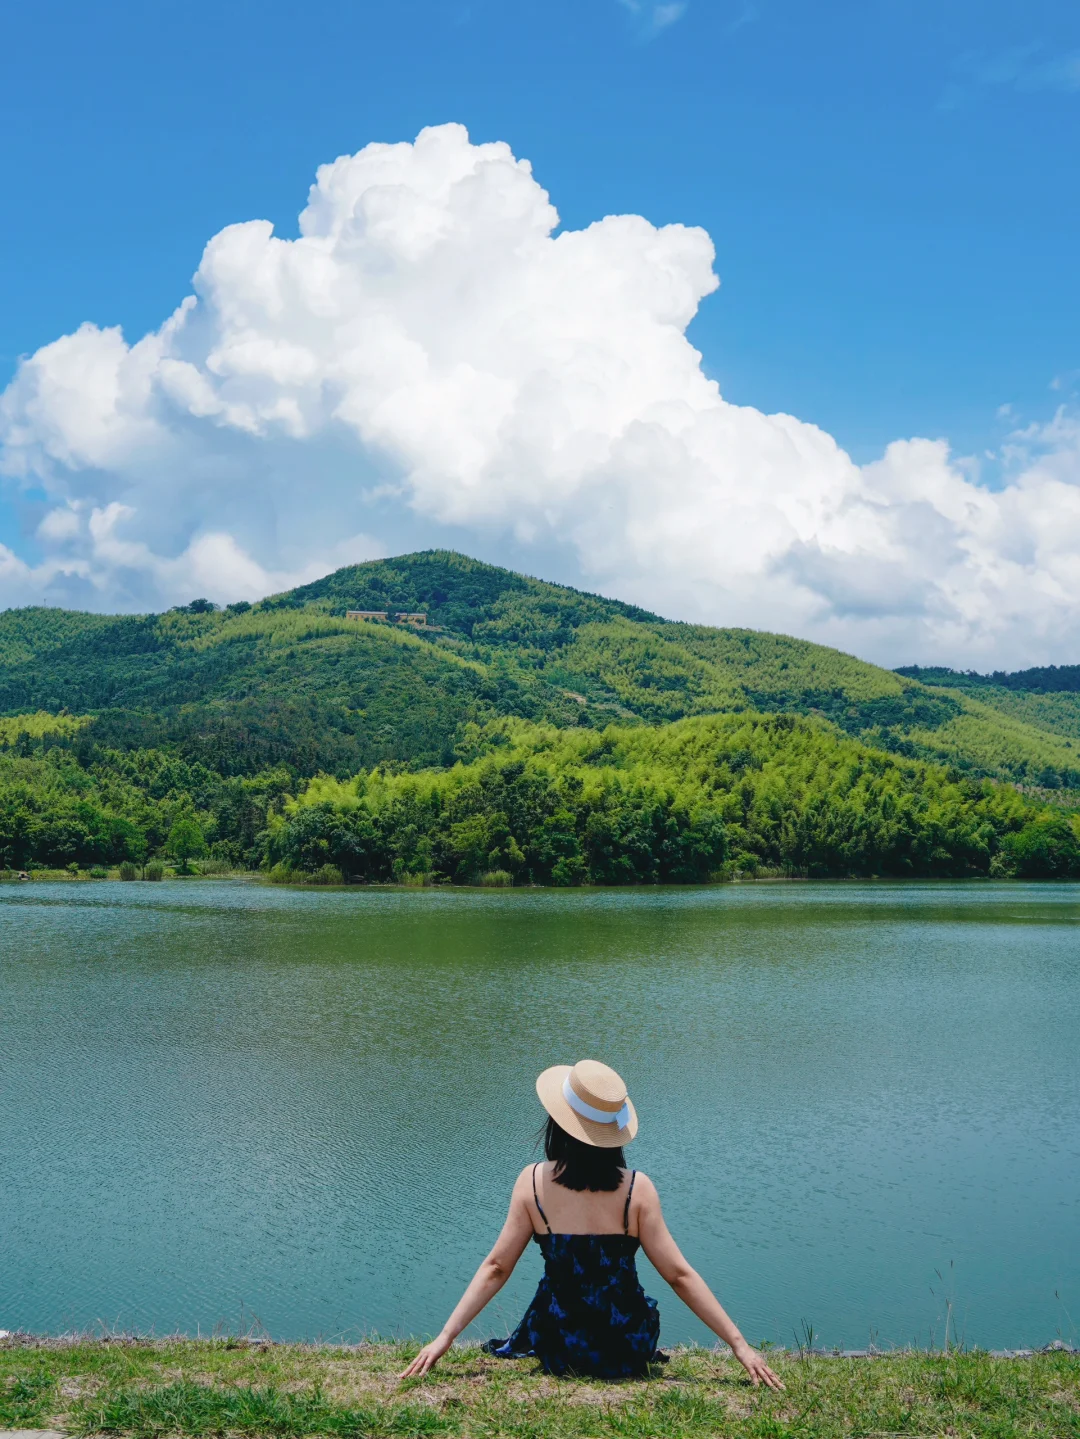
(890, 187)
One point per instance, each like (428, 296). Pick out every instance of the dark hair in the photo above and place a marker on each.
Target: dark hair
(582, 1166)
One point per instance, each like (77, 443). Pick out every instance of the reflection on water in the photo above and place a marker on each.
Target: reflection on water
(221, 1099)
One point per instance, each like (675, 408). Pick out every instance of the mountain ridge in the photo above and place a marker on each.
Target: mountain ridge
(530, 733)
(289, 680)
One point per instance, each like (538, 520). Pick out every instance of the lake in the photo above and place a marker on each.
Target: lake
(225, 1103)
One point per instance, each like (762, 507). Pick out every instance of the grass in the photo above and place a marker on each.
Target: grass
(239, 1388)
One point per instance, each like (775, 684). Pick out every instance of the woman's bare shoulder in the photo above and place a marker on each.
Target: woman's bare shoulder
(523, 1183)
(644, 1188)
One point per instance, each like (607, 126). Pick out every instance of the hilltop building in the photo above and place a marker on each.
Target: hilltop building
(402, 617)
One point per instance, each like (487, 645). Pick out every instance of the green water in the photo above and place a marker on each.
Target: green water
(222, 1100)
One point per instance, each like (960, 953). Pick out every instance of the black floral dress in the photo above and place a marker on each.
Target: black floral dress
(590, 1314)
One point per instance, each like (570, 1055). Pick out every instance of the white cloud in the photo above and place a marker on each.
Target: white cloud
(60, 524)
(429, 353)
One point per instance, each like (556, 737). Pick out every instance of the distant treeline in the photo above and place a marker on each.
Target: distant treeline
(684, 803)
(66, 801)
(533, 804)
(1045, 679)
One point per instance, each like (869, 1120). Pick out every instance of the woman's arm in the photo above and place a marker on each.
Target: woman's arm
(487, 1281)
(688, 1284)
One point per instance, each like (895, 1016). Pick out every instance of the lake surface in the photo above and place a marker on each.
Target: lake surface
(222, 1101)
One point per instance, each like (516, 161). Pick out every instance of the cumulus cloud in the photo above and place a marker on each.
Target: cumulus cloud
(430, 351)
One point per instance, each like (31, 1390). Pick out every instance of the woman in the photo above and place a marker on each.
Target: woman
(589, 1215)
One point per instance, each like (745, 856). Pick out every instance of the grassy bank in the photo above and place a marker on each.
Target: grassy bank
(70, 875)
(219, 1387)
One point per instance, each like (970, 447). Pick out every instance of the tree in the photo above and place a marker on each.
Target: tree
(126, 841)
(186, 841)
(1046, 848)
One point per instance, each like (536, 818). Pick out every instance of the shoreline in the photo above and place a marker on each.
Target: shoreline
(254, 1342)
(249, 1385)
(260, 877)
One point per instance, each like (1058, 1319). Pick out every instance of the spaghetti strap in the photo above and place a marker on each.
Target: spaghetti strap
(536, 1200)
(590, 1314)
(626, 1210)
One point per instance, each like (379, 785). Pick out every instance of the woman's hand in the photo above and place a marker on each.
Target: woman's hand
(428, 1357)
(755, 1366)
(486, 1282)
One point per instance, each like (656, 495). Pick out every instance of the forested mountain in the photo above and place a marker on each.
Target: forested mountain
(116, 725)
(1042, 680)
(290, 680)
(677, 803)
(1047, 698)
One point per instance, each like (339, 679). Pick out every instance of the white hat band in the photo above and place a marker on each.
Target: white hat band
(621, 1117)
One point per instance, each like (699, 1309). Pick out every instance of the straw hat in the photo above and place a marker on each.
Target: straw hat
(590, 1102)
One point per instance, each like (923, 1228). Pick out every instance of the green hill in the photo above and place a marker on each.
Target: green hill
(112, 728)
(1046, 699)
(290, 680)
(677, 803)
(1042, 680)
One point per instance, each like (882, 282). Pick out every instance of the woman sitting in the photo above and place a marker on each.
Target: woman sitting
(589, 1214)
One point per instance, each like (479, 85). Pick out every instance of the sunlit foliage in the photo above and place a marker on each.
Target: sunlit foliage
(137, 721)
(700, 799)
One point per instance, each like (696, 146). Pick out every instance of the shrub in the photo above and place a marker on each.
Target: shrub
(327, 874)
(281, 874)
(154, 870)
(128, 870)
(99, 872)
(497, 879)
